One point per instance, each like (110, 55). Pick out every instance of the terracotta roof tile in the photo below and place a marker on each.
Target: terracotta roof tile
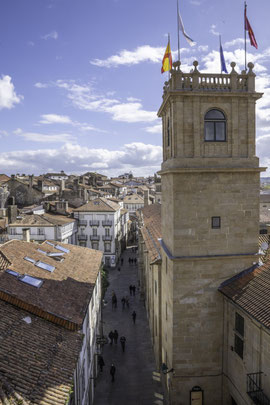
(37, 359)
(65, 292)
(250, 289)
(151, 230)
(42, 220)
(99, 205)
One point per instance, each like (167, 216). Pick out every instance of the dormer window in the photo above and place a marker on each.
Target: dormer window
(214, 126)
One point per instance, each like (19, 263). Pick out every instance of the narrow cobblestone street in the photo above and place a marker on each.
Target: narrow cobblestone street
(134, 383)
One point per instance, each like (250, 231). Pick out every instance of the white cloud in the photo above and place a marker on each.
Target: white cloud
(84, 98)
(234, 42)
(30, 43)
(142, 159)
(55, 119)
(195, 2)
(46, 138)
(41, 85)
(213, 30)
(8, 96)
(144, 53)
(50, 35)
(17, 131)
(155, 129)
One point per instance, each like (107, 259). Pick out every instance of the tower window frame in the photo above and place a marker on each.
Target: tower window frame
(216, 222)
(215, 126)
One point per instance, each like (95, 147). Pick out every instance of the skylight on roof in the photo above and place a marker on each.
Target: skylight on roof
(96, 202)
(35, 282)
(29, 259)
(13, 273)
(45, 266)
(62, 248)
(42, 251)
(49, 243)
(55, 254)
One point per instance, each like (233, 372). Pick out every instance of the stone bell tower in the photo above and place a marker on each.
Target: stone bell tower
(210, 218)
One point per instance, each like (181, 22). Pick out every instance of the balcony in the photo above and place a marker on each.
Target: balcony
(82, 222)
(254, 389)
(94, 223)
(94, 237)
(107, 238)
(106, 223)
(82, 237)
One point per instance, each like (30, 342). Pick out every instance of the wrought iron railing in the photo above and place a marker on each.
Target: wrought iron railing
(94, 237)
(254, 389)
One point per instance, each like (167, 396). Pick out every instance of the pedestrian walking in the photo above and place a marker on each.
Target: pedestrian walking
(133, 289)
(131, 261)
(119, 269)
(114, 301)
(127, 301)
(123, 342)
(130, 289)
(101, 363)
(112, 371)
(134, 316)
(122, 261)
(111, 337)
(115, 336)
(123, 300)
(135, 260)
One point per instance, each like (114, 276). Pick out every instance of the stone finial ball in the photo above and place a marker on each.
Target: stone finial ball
(195, 63)
(250, 65)
(233, 64)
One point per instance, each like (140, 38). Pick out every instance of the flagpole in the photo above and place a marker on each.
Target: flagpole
(170, 47)
(178, 33)
(220, 52)
(245, 14)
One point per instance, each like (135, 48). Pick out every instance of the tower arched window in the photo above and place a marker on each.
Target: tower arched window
(214, 126)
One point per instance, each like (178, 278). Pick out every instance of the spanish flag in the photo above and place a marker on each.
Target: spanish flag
(167, 59)
(250, 31)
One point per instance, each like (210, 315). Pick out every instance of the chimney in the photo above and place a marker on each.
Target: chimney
(12, 210)
(26, 234)
(62, 185)
(146, 197)
(31, 179)
(40, 185)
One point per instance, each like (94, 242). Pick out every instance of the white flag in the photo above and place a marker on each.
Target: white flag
(181, 28)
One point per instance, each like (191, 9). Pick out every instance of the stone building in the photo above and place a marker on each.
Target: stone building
(210, 181)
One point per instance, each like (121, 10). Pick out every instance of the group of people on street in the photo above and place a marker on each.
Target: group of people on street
(113, 335)
(131, 260)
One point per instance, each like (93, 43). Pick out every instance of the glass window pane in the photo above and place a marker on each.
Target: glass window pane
(209, 131)
(214, 115)
(35, 282)
(220, 131)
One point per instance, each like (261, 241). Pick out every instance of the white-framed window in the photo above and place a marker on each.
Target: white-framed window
(107, 247)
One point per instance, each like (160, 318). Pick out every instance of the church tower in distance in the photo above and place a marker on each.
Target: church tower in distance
(210, 219)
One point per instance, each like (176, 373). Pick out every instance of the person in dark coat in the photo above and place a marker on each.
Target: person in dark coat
(135, 260)
(127, 301)
(111, 337)
(122, 261)
(101, 363)
(133, 289)
(123, 300)
(115, 336)
(134, 316)
(130, 289)
(112, 371)
(114, 301)
(131, 261)
(123, 342)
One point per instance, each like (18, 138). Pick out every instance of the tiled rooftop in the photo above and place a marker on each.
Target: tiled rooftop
(37, 359)
(65, 293)
(151, 230)
(98, 205)
(42, 220)
(250, 289)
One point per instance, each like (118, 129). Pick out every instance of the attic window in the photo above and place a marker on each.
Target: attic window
(45, 266)
(56, 254)
(13, 273)
(29, 259)
(49, 243)
(96, 202)
(35, 282)
(65, 250)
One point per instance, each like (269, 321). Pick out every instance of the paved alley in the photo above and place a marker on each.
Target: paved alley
(134, 384)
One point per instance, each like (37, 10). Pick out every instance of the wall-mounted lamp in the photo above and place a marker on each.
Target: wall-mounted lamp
(165, 370)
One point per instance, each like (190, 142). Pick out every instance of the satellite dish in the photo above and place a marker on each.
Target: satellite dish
(264, 246)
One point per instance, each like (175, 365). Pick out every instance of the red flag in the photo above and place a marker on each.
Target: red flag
(167, 59)
(250, 31)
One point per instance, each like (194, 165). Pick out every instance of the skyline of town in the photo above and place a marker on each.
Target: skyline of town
(81, 84)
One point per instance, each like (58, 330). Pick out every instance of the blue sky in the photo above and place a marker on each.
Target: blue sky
(80, 81)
